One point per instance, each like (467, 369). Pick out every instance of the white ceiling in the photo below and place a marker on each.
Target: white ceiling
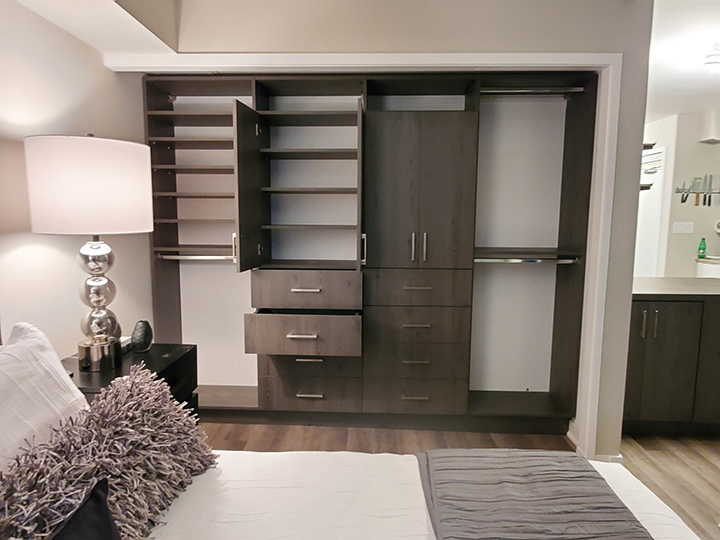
(684, 31)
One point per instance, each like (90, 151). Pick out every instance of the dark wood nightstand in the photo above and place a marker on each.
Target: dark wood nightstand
(177, 364)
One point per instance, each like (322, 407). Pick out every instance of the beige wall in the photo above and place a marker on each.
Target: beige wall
(690, 159)
(460, 26)
(54, 83)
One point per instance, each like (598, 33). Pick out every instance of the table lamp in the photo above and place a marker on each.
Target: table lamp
(91, 186)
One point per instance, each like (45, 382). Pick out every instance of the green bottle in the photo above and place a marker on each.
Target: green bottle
(701, 249)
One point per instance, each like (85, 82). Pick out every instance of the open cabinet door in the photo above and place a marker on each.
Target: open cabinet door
(252, 244)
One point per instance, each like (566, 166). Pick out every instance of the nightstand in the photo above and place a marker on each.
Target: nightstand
(177, 364)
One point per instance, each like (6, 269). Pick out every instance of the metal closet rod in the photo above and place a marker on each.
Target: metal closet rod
(168, 257)
(519, 260)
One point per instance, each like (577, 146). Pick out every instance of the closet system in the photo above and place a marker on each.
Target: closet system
(355, 201)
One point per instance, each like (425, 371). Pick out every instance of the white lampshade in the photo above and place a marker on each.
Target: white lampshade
(88, 185)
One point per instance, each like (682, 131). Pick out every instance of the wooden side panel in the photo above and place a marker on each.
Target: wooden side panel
(572, 238)
(448, 174)
(391, 188)
(253, 206)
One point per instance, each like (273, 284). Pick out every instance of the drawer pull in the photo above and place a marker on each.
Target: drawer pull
(304, 360)
(411, 325)
(302, 290)
(416, 362)
(416, 398)
(302, 336)
(309, 396)
(411, 288)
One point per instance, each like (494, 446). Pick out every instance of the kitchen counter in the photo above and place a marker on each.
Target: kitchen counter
(677, 286)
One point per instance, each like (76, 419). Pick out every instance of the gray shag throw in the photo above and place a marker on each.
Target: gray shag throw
(135, 434)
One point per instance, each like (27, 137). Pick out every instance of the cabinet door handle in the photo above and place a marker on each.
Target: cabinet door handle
(302, 336)
(416, 398)
(411, 288)
(302, 290)
(363, 249)
(424, 246)
(309, 396)
(308, 360)
(644, 324)
(413, 325)
(416, 362)
(412, 247)
(657, 316)
(234, 248)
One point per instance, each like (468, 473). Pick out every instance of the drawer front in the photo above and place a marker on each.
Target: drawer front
(303, 334)
(415, 396)
(306, 289)
(309, 366)
(417, 324)
(322, 394)
(416, 360)
(401, 287)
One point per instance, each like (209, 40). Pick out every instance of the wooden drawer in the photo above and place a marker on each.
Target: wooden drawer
(415, 396)
(306, 289)
(320, 394)
(401, 287)
(416, 360)
(417, 324)
(309, 366)
(309, 334)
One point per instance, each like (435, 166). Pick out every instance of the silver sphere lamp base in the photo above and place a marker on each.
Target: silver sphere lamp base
(98, 356)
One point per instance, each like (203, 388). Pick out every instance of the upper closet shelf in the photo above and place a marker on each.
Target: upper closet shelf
(192, 144)
(311, 153)
(310, 118)
(196, 169)
(311, 190)
(191, 119)
(523, 255)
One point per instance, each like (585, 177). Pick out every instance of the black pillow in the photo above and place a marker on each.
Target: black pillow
(92, 520)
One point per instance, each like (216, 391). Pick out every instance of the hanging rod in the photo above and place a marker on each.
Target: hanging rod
(524, 260)
(531, 91)
(196, 257)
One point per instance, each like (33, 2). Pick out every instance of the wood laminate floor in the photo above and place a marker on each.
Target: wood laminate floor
(684, 473)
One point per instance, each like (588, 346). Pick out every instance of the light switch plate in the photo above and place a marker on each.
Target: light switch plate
(683, 227)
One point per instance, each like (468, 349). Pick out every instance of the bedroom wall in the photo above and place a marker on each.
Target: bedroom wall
(461, 26)
(55, 84)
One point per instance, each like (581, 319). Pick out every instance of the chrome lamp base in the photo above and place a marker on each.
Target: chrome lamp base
(98, 356)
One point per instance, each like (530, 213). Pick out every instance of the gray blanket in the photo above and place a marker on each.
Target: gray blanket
(521, 494)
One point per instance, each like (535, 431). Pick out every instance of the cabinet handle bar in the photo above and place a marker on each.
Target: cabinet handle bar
(302, 336)
(309, 396)
(657, 316)
(412, 288)
(412, 247)
(416, 398)
(308, 360)
(424, 246)
(644, 324)
(412, 325)
(416, 362)
(302, 290)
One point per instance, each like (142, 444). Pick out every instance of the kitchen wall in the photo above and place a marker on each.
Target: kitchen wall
(55, 84)
(687, 158)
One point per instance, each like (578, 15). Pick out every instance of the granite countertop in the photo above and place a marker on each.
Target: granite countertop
(677, 285)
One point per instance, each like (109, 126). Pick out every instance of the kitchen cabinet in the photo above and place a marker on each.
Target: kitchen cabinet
(662, 360)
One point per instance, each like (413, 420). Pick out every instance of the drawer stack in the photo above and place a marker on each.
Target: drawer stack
(416, 341)
(307, 333)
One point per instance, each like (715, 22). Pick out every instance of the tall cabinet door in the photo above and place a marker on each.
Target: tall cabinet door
(391, 191)
(662, 361)
(448, 170)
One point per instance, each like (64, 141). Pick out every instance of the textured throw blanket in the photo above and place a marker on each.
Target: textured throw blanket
(521, 494)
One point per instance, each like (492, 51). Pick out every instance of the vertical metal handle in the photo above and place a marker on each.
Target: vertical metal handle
(363, 249)
(234, 247)
(424, 246)
(412, 247)
(657, 316)
(644, 324)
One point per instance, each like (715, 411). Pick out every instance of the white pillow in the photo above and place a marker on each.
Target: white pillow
(36, 390)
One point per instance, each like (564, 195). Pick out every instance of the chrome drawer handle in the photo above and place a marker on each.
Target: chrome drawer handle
(416, 398)
(416, 362)
(303, 360)
(302, 336)
(301, 290)
(309, 396)
(417, 325)
(410, 288)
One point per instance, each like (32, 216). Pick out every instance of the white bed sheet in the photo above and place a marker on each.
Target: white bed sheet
(344, 495)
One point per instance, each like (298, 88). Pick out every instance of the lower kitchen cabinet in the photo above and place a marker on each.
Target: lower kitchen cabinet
(673, 369)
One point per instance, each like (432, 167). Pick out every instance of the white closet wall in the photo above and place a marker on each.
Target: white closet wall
(518, 205)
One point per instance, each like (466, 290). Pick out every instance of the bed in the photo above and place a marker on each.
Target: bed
(165, 483)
